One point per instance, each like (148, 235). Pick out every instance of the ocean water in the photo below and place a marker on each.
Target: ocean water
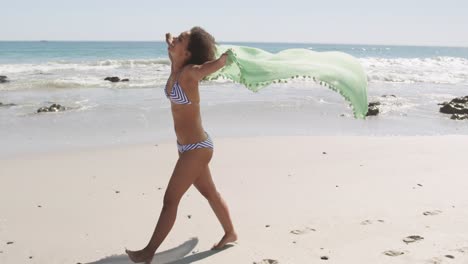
(104, 113)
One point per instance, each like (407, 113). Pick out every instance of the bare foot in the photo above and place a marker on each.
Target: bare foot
(140, 256)
(227, 238)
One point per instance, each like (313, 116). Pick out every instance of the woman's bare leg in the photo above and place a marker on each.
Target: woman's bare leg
(207, 188)
(188, 168)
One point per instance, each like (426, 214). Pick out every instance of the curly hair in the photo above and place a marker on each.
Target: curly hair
(202, 46)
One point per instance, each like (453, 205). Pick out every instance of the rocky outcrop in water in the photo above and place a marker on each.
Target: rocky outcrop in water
(459, 116)
(3, 79)
(458, 108)
(52, 108)
(373, 109)
(6, 105)
(112, 79)
(115, 79)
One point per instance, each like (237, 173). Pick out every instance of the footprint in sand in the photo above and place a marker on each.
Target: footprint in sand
(411, 239)
(303, 231)
(435, 212)
(438, 260)
(267, 261)
(393, 253)
(435, 260)
(462, 250)
(368, 222)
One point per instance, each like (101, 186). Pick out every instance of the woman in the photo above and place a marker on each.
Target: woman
(192, 56)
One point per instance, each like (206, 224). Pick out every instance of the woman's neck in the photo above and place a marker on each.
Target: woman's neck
(177, 66)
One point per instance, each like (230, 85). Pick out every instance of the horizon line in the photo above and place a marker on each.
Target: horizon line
(255, 42)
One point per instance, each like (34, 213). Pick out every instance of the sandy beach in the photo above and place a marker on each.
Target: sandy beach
(337, 142)
(310, 199)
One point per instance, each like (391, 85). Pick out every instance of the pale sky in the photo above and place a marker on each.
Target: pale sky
(403, 22)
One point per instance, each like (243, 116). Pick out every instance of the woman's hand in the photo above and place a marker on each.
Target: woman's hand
(199, 72)
(169, 39)
(223, 58)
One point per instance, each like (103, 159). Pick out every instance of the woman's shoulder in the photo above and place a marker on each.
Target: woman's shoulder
(187, 77)
(190, 68)
(188, 73)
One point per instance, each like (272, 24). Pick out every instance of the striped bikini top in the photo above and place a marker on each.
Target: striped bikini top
(177, 95)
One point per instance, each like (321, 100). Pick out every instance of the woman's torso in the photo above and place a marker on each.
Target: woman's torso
(186, 115)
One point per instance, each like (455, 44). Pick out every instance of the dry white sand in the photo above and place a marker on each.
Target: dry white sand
(290, 202)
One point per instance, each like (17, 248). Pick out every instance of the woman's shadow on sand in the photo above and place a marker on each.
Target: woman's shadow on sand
(171, 256)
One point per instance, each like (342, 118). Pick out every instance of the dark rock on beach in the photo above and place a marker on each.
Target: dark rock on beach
(115, 79)
(458, 107)
(454, 108)
(459, 116)
(373, 109)
(6, 105)
(3, 79)
(52, 108)
(112, 79)
(460, 100)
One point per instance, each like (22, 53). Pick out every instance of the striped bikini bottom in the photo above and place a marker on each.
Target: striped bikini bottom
(207, 143)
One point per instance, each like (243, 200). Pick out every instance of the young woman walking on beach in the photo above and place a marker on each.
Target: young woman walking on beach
(192, 56)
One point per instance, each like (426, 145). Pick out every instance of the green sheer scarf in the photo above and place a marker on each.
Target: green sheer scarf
(256, 68)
